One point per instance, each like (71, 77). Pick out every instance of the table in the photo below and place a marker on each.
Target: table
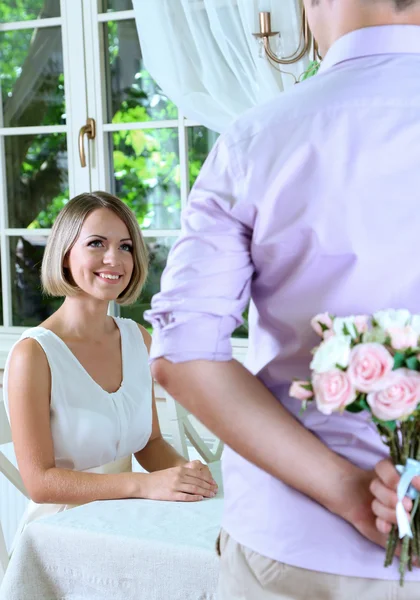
(119, 550)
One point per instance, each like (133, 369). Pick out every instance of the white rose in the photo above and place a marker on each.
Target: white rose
(392, 318)
(375, 335)
(348, 322)
(415, 323)
(332, 352)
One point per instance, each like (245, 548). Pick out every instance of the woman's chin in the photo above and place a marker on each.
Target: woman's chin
(102, 295)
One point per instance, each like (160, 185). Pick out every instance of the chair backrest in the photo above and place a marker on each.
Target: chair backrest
(13, 475)
(185, 427)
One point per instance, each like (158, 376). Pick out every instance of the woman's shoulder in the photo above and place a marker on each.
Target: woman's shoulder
(136, 328)
(28, 355)
(147, 338)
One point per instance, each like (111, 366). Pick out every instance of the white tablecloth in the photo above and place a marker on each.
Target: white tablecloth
(119, 550)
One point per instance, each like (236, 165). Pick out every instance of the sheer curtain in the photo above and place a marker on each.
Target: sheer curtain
(204, 57)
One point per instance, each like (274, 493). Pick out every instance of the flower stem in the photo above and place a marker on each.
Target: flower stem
(404, 558)
(391, 546)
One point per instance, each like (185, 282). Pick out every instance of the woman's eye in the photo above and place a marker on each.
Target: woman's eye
(127, 247)
(95, 244)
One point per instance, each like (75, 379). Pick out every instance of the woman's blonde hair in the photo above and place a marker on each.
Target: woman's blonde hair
(66, 230)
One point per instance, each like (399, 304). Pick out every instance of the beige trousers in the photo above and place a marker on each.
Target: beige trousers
(246, 575)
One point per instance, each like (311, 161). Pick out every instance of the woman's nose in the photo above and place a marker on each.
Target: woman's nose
(111, 256)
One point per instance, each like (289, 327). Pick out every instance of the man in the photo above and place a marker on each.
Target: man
(307, 204)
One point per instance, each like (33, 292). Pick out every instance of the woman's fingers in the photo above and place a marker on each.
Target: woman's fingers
(196, 490)
(200, 471)
(184, 497)
(204, 488)
(191, 479)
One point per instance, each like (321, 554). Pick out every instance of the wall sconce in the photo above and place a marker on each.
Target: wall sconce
(266, 33)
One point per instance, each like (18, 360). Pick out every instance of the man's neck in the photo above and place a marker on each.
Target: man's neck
(348, 20)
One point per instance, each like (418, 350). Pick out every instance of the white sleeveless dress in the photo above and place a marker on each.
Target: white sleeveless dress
(93, 430)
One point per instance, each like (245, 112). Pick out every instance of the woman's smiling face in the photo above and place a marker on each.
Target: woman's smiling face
(101, 259)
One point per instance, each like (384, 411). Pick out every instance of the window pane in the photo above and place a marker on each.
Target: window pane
(25, 10)
(132, 95)
(200, 141)
(147, 175)
(29, 305)
(158, 254)
(1, 297)
(115, 5)
(242, 331)
(31, 77)
(37, 181)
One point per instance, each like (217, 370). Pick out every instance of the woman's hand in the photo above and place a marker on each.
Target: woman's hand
(384, 489)
(187, 483)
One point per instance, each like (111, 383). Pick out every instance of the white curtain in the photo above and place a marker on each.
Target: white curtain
(204, 57)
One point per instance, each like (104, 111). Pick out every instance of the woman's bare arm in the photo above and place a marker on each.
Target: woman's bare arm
(29, 389)
(158, 454)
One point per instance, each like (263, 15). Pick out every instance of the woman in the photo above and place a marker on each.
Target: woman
(78, 388)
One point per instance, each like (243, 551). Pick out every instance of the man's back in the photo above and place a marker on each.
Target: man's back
(332, 173)
(308, 204)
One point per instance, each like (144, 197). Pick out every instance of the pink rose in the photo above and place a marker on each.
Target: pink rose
(333, 391)
(403, 337)
(399, 398)
(361, 323)
(322, 319)
(299, 392)
(369, 365)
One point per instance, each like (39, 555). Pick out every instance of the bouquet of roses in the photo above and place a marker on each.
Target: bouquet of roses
(373, 364)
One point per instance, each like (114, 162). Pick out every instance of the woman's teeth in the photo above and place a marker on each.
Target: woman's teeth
(104, 276)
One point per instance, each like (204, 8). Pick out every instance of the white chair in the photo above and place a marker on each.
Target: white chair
(12, 474)
(183, 428)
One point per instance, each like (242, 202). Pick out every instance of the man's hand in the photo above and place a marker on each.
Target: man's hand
(384, 489)
(357, 509)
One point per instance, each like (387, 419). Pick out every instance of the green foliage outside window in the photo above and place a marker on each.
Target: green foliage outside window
(145, 162)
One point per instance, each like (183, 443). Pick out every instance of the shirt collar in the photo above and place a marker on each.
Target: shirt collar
(371, 41)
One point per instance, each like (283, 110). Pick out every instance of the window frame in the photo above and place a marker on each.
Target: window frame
(85, 96)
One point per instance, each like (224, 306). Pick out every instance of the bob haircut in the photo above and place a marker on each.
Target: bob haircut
(66, 229)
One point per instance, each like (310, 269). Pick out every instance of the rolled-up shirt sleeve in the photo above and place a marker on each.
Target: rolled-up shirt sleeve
(205, 286)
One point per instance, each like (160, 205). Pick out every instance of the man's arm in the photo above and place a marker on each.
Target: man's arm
(204, 290)
(242, 412)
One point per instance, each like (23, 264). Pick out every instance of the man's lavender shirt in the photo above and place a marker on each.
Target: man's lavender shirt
(310, 203)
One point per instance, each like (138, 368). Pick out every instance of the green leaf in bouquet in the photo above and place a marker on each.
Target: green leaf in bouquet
(303, 408)
(412, 363)
(399, 360)
(340, 367)
(307, 386)
(390, 425)
(358, 405)
(354, 407)
(363, 402)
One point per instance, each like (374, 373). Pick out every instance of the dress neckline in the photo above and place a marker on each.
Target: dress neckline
(77, 361)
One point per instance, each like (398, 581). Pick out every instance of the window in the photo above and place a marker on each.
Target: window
(59, 66)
